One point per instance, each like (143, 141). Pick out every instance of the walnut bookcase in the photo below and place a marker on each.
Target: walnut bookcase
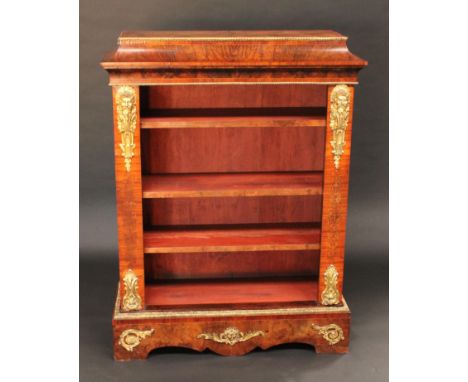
(232, 155)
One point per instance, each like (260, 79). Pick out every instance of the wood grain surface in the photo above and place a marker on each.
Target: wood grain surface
(233, 210)
(228, 265)
(231, 240)
(231, 292)
(247, 184)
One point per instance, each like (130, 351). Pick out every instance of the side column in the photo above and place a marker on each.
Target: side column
(126, 101)
(335, 193)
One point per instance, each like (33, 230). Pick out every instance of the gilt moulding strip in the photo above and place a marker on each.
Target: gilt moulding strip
(141, 315)
(112, 83)
(143, 40)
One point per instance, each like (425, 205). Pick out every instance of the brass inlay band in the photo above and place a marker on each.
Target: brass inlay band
(131, 299)
(126, 122)
(330, 295)
(131, 338)
(140, 40)
(331, 333)
(339, 115)
(111, 83)
(141, 315)
(230, 336)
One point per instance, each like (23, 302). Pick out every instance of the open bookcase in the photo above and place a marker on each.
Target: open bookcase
(232, 158)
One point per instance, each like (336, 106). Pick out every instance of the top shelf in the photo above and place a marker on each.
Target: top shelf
(237, 118)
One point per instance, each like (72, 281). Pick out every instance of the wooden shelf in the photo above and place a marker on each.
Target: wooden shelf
(177, 293)
(218, 185)
(234, 118)
(232, 240)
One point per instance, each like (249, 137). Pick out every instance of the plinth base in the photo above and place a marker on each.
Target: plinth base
(230, 331)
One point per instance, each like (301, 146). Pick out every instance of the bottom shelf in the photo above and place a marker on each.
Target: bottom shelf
(208, 292)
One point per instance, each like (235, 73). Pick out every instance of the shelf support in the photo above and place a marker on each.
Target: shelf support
(126, 101)
(335, 193)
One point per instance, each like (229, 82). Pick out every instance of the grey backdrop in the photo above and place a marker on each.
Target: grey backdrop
(366, 280)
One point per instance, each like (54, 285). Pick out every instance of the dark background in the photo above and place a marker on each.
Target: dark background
(365, 22)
